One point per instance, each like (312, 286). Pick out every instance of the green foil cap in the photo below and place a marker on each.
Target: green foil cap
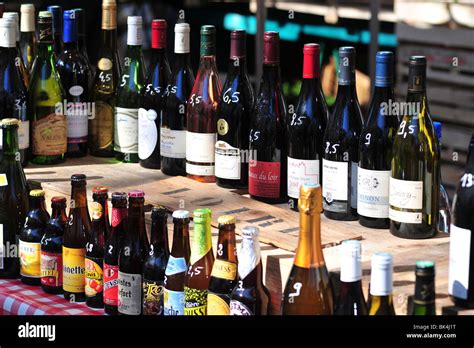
(208, 40)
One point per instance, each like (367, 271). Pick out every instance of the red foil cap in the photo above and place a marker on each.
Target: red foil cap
(58, 200)
(271, 47)
(237, 43)
(136, 194)
(158, 33)
(100, 189)
(311, 68)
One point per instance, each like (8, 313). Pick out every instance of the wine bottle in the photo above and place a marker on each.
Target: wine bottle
(233, 126)
(350, 300)
(28, 35)
(173, 114)
(101, 126)
(151, 99)
(18, 57)
(381, 299)
(414, 181)
(424, 299)
(130, 85)
(268, 164)
(461, 248)
(81, 34)
(57, 12)
(375, 148)
(341, 144)
(2, 9)
(444, 214)
(306, 128)
(75, 78)
(45, 93)
(201, 112)
(308, 291)
(13, 93)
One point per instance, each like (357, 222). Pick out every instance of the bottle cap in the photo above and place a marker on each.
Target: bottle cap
(16, 18)
(27, 22)
(181, 38)
(381, 276)
(81, 20)
(425, 268)
(310, 198)
(346, 74)
(351, 269)
(181, 214)
(226, 220)
(271, 47)
(78, 177)
(136, 194)
(100, 189)
(37, 193)
(119, 195)
(70, 26)
(182, 28)
(28, 8)
(58, 200)
(158, 33)
(8, 122)
(134, 20)
(238, 43)
(108, 2)
(208, 40)
(311, 67)
(383, 68)
(57, 12)
(417, 61)
(134, 32)
(159, 211)
(438, 129)
(250, 232)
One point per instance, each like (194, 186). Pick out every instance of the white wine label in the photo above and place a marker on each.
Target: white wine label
(199, 170)
(335, 182)
(147, 133)
(459, 261)
(405, 216)
(24, 135)
(354, 167)
(373, 193)
(126, 130)
(77, 123)
(175, 265)
(300, 172)
(228, 162)
(173, 302)
(200, 147)
(173, 143)
(129, 293)
(238, 308)
(3, 179)
(406, 194)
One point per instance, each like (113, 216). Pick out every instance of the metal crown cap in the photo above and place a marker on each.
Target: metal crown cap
(226, 220)
(180, 214)
(37, 193)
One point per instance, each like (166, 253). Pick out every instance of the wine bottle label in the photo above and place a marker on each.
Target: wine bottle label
(49, 135)
(94, 276)
(173, 302)
(218, 304)
(77, 122)
(406, 194)
(459, 262)
(111, 284)
(102, 125)
(228, 162)
(195, 301)
(118, 214)
(300, 172)
(224, 270)
(73, 269)
(173, 143)
(200, 147)
(264, 179)
(30, 259)
(3, 180)
(238, 308)
(126, 130)
(104, 64)
(51, 269)
(129, 293)
(175, 265)
(24, 135)
(147, 133)
(152, 297)
(373, 193)
(335, 186)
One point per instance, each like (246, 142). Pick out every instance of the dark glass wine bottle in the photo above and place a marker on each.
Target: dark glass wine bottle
(461, 248)
(173, 114)
(57, 12)
(75, 78)
(19, 59)
(425, 295)
(233, 124)
(268, 164)
(151, 98)
(306, 128)
(341, 144)
(128, 90)
(414, 181)
(81, 34)
(28, 34)
(381, 285)
(375, 148)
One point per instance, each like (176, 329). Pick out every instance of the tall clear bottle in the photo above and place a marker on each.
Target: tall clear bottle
(28, 34)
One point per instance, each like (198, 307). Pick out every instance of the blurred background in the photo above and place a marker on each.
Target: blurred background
(441, 30)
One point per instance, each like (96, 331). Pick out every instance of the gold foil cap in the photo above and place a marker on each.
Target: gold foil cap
(109, 14)
(310, 198)
(37, 193)
(226, 220)
(10, 122)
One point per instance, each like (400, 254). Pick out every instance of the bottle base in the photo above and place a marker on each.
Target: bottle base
(111, 310)
(412, 231)
(102, 153)
(52, 289)
(150, 165)
(462, 303)
(231, 184)
(31, 281)
(341, 216)
(94, 303)
(375, 223)
(74, 297)
(267, 200)
(48, 160)
(173, 166)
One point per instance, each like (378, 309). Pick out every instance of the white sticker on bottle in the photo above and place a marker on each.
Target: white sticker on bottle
(24, 135)
(405, 216)
(129, 293)
(373, 193)
(200, 147)
(335, 176)
(147, 132)
(77, 123)
(459, 261)
(175, 265)
(194, 169)
(300, 172)
(126, 130)
(173, 143)
(228, 163)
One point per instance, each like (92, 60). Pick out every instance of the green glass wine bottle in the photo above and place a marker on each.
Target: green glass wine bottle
(424, 299)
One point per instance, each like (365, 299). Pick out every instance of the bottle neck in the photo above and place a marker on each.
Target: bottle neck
(136, 220)
(310, 86)
(270, 78)
(158, 58)
(79, 197)
(417, 86)
(27, 22)
(134, 52)
(71, 46)
(37, 203)
(424, 290)
(309, 253)
(226, 244)
(183, 60)
(238, 66)
(207, 63)
(109, 39)
(10, 141)
(159, 234)
(249, 257)
(180, 236)
(201, 241)
(102, 200)
(58, 211)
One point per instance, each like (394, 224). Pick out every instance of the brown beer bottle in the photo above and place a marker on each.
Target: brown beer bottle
(74, 241)
(224, 270)
(250, 296)
(197, 278)
(307, 291)
(101, 196)
(177, 265)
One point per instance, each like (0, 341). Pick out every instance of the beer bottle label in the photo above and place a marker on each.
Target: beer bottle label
(51, 269)
(195, 301)
(129, 293)
(173, 302)
(73, 269)
(238, 308)
(110, 284)
(30, 259)
(224, 270)
(175, 265)
(152, 297)
(218, 304)
(94, 276)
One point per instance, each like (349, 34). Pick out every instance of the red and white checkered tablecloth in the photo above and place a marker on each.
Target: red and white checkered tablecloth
(17, 298)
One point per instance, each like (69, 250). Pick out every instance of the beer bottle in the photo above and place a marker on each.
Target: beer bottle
(307, 291)
(74, 241)
(95, 250)
(155, 263)
(131, 258)
(112, 250)
(197, 278)
(424, 299)
(224, 270)
(250, 296)
(51, 248)
(177, 265)
(30, 239)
